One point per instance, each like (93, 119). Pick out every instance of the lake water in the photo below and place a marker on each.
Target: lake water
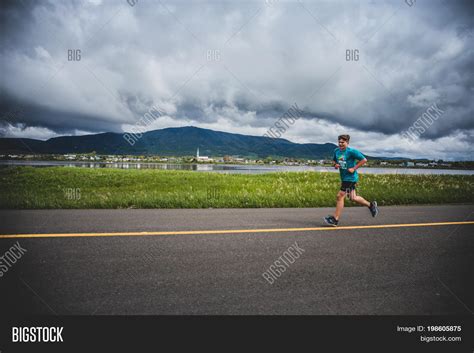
(228, 168)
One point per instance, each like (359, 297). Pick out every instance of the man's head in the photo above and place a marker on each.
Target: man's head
(343, 141)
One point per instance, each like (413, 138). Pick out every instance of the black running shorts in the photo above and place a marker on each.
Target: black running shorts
(348, 186)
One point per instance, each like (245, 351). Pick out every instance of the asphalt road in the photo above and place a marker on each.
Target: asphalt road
(403, 270)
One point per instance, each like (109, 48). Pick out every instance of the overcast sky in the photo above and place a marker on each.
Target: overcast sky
(238, 66)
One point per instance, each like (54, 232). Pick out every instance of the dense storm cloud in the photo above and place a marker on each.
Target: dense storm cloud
(370, 69)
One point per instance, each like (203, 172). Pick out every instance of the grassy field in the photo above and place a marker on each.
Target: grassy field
(62, 187)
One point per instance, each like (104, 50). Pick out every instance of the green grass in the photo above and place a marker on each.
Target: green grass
(36, 188)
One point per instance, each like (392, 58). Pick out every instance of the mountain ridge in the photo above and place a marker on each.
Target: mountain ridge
(172, 141)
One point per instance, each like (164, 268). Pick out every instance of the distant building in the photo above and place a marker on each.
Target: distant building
(202, 158)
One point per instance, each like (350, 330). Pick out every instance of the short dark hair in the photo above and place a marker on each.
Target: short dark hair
(344, 137)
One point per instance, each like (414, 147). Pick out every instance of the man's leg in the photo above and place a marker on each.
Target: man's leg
(339, 204)
(359, 199)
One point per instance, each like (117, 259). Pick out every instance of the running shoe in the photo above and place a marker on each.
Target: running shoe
(331, 221)
(374, 211)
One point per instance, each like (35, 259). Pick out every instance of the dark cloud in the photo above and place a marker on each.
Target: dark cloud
(239, 66)
(16, 111)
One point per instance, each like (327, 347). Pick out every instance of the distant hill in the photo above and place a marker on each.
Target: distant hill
(181, 141)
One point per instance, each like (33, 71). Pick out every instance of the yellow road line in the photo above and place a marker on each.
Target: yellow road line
(229, 231)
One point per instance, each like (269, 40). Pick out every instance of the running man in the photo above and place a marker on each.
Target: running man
(345, 160)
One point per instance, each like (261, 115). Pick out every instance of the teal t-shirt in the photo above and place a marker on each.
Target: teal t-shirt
(347, 159)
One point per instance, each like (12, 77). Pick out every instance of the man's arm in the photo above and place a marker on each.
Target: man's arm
(334, 160)
(358, 157)
(358, 165)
